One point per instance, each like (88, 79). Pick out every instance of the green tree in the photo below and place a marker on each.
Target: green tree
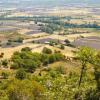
(52, 58)
(5, 63)
(46, 50)
(59, 56)
(62, 47)
(25, 90)
(45, 59)
(26, 49)
(27, 60)
(96, 64)
(19, 40)
(67, 41)
(85, 55)
(5, 75)
(20, 74)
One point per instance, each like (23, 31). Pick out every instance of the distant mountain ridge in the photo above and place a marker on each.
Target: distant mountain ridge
(27, 3)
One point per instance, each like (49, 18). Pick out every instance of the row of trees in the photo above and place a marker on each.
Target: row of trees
(88, 25)
(50, 28)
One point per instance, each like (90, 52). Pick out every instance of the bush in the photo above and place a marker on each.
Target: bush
(67, 41)
(47, 50)
(92, 94)
(26, 49)
(52, 58)
(20, 74)
(54, 74)
(59, 56)
(25, 90)
(5, 63)
(61, 69)
(45, 59)
(62, 47)
(51, 43)
(19, 40)
(5, 75)
(8, 43)
(26, 60)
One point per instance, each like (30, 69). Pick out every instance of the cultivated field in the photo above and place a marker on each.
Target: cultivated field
(24, 24)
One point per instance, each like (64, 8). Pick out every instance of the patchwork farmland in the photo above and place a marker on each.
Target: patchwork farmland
(93, 42)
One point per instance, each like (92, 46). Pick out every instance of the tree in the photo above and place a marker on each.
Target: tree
(46, 29)
(8, 43)
(85, 55)
(62, 47)
(25, 90)
(19, 40)
(52, 58)
(45, 59)
(26, 49)
(1, 55)
(67, 41)
(51, 43)
(96, 64)
(27, 60)
(5, 63)
(59, 56)
(46, 50)
(5, 75)
(20, 74)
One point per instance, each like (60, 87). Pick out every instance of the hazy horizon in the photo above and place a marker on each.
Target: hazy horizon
(30, 3)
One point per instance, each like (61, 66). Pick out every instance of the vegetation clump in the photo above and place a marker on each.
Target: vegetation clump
(59, 82)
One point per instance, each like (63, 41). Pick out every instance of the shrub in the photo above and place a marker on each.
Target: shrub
(25, 90)
(47, 50)
(26, 49)
(52, 58)
(5, 63)
(51, 43)
(8, 43)
(67, 41)
(27, 60)
(19, 40)
(59, 56)
(61, 69)
(20, 74)
(62, 47)
(5, 75)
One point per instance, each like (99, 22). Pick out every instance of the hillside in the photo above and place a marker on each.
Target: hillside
(49, 49)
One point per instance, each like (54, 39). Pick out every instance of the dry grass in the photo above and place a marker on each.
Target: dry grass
(8, 52)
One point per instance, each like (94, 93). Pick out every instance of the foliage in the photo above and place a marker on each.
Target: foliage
(19, 40)
(20, 74)
(26, 90)
(26, 59)
(62, 47)
(30, 61)
(46, 50)
(5, 63)
(96, 64)
(4, 75)
(67, 41)
(53, 83)
(85, 55)
(26, 49)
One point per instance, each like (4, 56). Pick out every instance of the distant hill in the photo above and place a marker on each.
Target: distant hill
(27, 3)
